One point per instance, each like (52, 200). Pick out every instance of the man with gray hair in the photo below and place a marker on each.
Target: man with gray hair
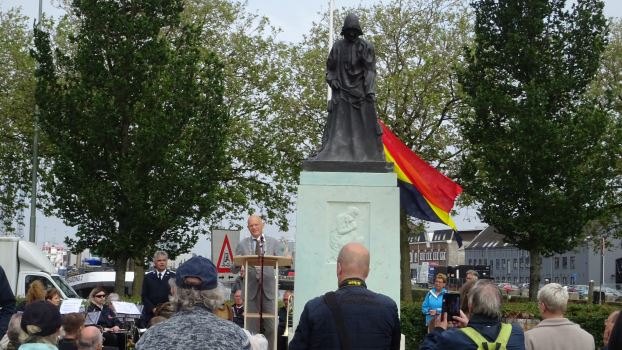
(90, 338)
(556, 332)
(194, 325)
(472, 275)
(156, 289)
(482, 325)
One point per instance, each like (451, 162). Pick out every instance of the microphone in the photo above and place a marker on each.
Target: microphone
(261, 246)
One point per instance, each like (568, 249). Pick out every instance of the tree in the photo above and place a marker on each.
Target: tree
(606, 89)
(263, 140)
(134, 111)
(418, 43)
(541, 156)
(16, 117)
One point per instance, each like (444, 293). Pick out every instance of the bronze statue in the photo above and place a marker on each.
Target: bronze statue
(352, 139)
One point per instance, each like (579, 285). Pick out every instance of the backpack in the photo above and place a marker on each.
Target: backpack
(482, 344)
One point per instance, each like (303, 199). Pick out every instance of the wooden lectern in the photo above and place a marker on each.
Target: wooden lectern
(267, 313)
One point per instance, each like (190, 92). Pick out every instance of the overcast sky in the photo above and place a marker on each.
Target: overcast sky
(295, 18)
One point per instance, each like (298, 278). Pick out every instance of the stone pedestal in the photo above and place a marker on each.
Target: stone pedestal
(335, 208)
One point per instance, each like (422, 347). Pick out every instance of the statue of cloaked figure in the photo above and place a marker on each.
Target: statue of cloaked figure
(352, 139)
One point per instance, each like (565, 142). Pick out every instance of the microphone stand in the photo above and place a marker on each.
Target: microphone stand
(261, 292)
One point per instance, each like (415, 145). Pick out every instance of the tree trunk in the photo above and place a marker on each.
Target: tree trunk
(120, 265)
(139, 276)
(534, 273)
(406, 288)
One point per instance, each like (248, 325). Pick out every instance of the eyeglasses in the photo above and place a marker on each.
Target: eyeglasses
(99, 295)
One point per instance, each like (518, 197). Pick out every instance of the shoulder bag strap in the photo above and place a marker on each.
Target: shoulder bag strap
(331, 300)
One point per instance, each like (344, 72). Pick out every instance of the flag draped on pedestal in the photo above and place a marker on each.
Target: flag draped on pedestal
(425, 193)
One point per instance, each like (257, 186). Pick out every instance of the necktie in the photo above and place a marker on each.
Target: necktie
(160, 276)
(257, 247)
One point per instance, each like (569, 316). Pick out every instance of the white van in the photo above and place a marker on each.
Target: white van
(23, 262)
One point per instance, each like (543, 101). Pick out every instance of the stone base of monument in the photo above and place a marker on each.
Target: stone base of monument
(335, 208)
(344, 166)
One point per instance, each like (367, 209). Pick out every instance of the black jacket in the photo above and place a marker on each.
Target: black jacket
(7, 302)
(155, 292)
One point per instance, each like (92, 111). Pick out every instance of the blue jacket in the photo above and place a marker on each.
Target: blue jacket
(370, 319)
(454, 338)
(432, 302)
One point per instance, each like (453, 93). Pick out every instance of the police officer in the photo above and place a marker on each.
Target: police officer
(156, 289)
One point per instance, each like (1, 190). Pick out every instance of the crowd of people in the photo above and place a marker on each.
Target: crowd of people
(480, 321)
(186, 309)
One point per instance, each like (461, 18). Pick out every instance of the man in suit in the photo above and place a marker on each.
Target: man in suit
(156, 289)
(257, 244)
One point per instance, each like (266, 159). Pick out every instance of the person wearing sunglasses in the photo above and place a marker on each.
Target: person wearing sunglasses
(108, 320)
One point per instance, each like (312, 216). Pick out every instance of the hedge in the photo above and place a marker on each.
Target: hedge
(589, 316)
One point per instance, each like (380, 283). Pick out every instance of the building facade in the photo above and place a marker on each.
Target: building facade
(510, 264)
(437, 249)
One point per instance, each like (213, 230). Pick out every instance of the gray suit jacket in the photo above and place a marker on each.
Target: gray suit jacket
(271, 247)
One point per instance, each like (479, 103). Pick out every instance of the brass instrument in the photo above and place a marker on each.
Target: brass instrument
(288, 311)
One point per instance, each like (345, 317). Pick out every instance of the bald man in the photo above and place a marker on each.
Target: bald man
(90, 339)
(353, 314)
(254, 245)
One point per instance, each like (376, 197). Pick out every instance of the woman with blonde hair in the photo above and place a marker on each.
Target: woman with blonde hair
(433, 302)
(107, 318)
(36, 291)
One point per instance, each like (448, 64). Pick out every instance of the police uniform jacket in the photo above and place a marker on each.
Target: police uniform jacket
(155, 291)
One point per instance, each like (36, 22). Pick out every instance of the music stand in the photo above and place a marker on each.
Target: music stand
(262, 261)
(127, 313)
(91, 318)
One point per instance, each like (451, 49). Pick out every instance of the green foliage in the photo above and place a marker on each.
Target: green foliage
(540, 156)
(134, 109)
(16, 117)
(591, 318)
(264, 139)
(412, 324)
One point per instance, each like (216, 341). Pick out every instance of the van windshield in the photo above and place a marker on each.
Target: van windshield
(69, 292)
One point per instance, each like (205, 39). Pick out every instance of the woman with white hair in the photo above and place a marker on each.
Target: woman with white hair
(556, 332)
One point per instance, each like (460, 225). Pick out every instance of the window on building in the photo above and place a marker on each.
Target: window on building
(485, 262)
(503, 263)
(572, 262)
(527, 262)
(564, 280)
(497, 263)
(564, 262)
(470, 262)
(415, 256)
(556, 263)
(521, 263)
(435, 256)
(515, 263)
(429, 255)
(479, 261)
(442, 255)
